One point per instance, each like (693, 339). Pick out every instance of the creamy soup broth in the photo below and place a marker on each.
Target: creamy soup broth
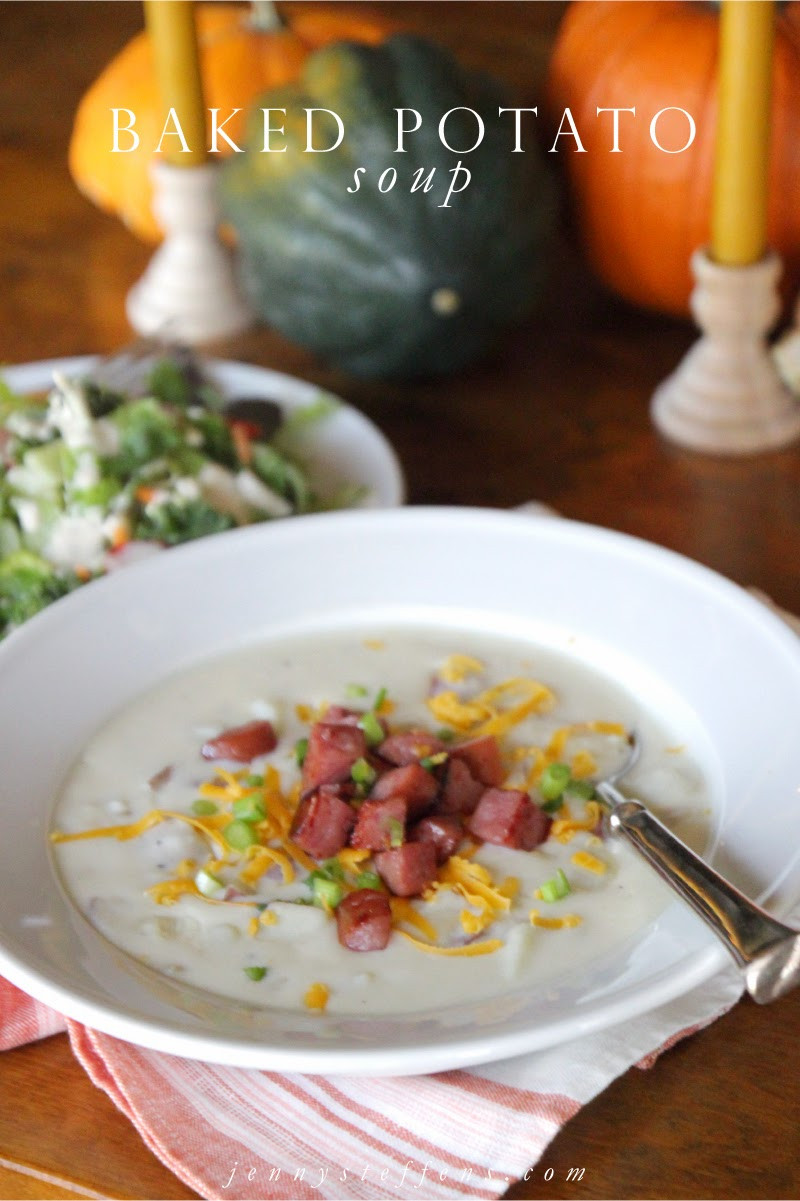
(148, 757)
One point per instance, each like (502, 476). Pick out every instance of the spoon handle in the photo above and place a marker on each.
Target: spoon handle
(767, 950)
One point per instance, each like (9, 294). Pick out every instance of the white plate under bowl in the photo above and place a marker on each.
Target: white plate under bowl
(672, 631)
(345, 448)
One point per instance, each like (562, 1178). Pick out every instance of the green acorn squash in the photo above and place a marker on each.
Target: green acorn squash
(399, 282)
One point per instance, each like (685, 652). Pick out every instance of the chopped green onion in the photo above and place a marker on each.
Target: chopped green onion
(368, 880)
(327, 893)
(255, 973)
(553, 781)
(353, 690)
(203, 808)
(373, 730)
(379, 699)
(582, 790)
(431, 761)
(249, 809)
(332, 869)
(240, 835)
(556, 888)
(208, 884)
(300, 751)
(553, 806)
(445, 734)
(255, 781)
(363, 773)
(397, 832)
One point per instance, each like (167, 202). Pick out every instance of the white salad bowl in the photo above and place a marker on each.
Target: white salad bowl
(343, 449)
(690, 645)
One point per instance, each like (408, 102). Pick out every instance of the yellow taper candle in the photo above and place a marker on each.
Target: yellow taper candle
(739, 209)
(171, 26)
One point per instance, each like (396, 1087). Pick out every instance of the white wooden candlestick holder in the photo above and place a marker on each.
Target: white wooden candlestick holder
(188, 291)
(726, 396)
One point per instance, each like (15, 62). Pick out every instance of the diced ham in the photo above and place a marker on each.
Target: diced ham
(376, 824)
(409, 746)
(413, 783)
(443, 832)
(460, 791)
(482, 757)
(364, 920)
(333, 748)
(242, 743)
(407, 870)
(322, 823)
(509, 818)
(337, 715)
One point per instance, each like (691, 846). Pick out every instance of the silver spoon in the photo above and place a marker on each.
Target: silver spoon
(766, 950)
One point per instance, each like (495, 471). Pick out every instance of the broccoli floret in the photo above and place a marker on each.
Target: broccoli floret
(28, 584)
(147, 432)
(283, 476)
(172, 383)
(217, 438)
(180, 521)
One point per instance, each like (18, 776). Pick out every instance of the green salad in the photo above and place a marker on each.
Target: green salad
(91, 479)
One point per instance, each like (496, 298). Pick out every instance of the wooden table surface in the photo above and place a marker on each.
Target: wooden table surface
(562, 416)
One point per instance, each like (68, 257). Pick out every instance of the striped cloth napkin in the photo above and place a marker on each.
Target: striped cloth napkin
(230, 1132)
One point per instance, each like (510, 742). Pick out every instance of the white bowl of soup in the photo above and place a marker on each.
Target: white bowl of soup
(319, 796)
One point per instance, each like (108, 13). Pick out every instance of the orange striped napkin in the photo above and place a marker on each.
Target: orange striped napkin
(230, 1132)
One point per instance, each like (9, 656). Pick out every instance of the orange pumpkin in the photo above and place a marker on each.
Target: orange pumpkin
(239, 60)
(641, 213)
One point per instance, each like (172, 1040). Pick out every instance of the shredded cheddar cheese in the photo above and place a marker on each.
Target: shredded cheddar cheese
(170, 891)
(494, 711)
(583, 765)
(317, 997)
(467, 950)
(404, 911)
(458, 667)
(261, 859)
(564, 829)
(556, 745)
(298, 854)
(554, 923)
(590, 862)
(351, 857)
(538, 699)
(208, 826)
(474, 883)
(448, 708)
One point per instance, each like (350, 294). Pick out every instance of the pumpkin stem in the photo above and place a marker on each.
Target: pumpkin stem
(265, 17)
